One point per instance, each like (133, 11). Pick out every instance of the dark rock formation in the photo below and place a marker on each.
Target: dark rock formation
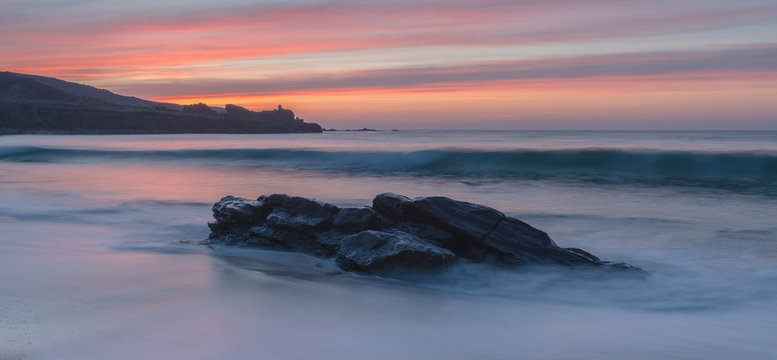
(397, 234)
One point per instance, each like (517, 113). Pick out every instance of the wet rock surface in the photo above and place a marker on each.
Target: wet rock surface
(396, 234)
(380, 252)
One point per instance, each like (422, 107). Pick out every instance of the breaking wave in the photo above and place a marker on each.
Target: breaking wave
(731, 170)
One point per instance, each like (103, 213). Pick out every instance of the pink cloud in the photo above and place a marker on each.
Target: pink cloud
(679, 69)
(197, 35)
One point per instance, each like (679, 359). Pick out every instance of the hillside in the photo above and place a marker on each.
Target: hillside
(37, 104)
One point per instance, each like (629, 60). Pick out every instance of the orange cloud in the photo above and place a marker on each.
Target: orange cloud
(132, 42)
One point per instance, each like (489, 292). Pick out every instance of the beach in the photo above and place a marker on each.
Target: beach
(99, 255)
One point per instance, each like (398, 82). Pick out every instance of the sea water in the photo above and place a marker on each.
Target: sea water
(97, 253)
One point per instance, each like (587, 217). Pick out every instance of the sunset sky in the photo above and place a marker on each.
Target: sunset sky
(420, 64)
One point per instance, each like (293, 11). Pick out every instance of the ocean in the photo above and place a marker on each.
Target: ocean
(98, 253)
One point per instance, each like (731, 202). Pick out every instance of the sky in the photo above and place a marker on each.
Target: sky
(456, 64)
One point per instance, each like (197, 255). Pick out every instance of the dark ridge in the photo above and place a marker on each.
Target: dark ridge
(32, 104)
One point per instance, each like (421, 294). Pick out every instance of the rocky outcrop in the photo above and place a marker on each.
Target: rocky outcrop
(397, 234)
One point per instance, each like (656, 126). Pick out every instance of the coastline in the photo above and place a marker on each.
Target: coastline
(31, 118)
(31, 104)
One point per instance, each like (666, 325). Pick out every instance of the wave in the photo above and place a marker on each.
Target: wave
(709, 169)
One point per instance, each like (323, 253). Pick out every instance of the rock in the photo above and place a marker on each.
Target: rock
(624, 268)
(273, 200)
(283, 218)
(328, 243)
(220, 233)
(268, 236)
(380, 252)
(517, 242)
(298, 213)
(290, 240)
(309, 208)
(276, 221)
(424, 231)
(232, 210)
(356, 219)
(468, 223)
(581, 252)
(390, 205)
(397, 233)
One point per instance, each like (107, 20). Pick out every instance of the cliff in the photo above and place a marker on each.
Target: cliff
(35, 104)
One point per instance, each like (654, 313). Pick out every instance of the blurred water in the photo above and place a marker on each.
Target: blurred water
(92, 265)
